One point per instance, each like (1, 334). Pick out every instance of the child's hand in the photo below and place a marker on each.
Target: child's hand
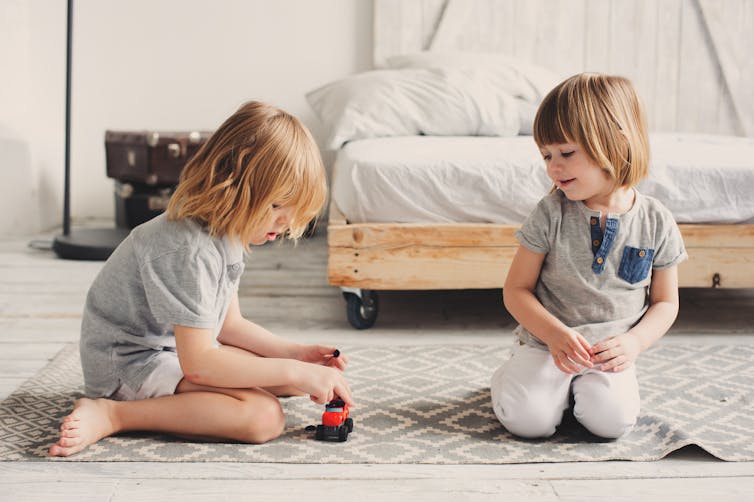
(323, 383)
(570, 350)
(616, 353)
(326, 356)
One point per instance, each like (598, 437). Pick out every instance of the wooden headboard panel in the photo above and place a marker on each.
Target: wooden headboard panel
(692, 61)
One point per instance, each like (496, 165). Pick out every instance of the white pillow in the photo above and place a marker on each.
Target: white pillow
(524, 80)
(527, 82)
(409, 102)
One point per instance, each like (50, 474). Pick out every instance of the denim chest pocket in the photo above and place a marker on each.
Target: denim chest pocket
(635, 264)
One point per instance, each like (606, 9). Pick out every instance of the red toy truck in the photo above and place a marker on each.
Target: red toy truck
(336, 423)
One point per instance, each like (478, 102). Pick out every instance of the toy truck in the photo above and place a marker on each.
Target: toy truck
(336, 424)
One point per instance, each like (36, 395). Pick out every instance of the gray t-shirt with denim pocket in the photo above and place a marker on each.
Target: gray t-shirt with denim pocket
(593, 281)
(165, 273)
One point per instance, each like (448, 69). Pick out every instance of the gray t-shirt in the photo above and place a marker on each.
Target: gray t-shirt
(593, 281)
(164, 273)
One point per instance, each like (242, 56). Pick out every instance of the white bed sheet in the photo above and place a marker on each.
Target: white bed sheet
(431, 179)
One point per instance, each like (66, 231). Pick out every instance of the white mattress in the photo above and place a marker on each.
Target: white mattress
(430, 179)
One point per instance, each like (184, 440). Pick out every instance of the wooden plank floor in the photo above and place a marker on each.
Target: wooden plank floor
(285, 289)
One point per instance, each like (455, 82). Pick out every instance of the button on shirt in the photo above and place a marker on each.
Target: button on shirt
(591, 280)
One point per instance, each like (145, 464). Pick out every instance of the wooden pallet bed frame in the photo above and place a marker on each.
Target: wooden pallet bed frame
(415, 256)
(365, 257)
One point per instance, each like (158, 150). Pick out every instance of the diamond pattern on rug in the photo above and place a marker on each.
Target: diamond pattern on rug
(431, 405)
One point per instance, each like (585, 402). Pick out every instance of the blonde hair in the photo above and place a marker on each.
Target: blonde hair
(602, 114)
(258, 157)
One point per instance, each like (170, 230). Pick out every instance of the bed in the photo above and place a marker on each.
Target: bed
(432, 202)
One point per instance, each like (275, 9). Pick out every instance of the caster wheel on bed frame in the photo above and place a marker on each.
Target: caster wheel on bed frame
(362, 311)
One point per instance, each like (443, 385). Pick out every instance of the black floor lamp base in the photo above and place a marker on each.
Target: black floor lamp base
(88, 243)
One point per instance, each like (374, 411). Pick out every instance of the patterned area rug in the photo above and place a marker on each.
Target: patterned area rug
(431, 405)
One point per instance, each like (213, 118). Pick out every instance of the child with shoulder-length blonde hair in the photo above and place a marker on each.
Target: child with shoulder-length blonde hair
(164, 346)
(594, 281)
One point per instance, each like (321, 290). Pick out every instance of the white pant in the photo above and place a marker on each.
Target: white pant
(530, 393)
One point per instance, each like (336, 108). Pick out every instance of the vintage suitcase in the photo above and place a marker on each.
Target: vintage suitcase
(136, 203)
(150, 157)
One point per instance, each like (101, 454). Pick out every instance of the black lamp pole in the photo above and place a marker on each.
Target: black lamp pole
(67, 178)
(91, 243)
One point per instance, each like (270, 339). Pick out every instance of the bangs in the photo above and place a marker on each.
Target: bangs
(551, 121)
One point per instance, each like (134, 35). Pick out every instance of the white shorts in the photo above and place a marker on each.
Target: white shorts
(161, 382)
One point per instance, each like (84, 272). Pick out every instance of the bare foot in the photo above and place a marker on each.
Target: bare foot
(89, 422)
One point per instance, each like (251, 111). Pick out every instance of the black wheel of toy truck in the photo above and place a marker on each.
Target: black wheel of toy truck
(349, 424)
(343, 434)
(362, 312)
(319, 434)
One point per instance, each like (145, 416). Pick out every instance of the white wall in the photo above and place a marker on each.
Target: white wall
(151, 64)
(32, 101)
(690, 60)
